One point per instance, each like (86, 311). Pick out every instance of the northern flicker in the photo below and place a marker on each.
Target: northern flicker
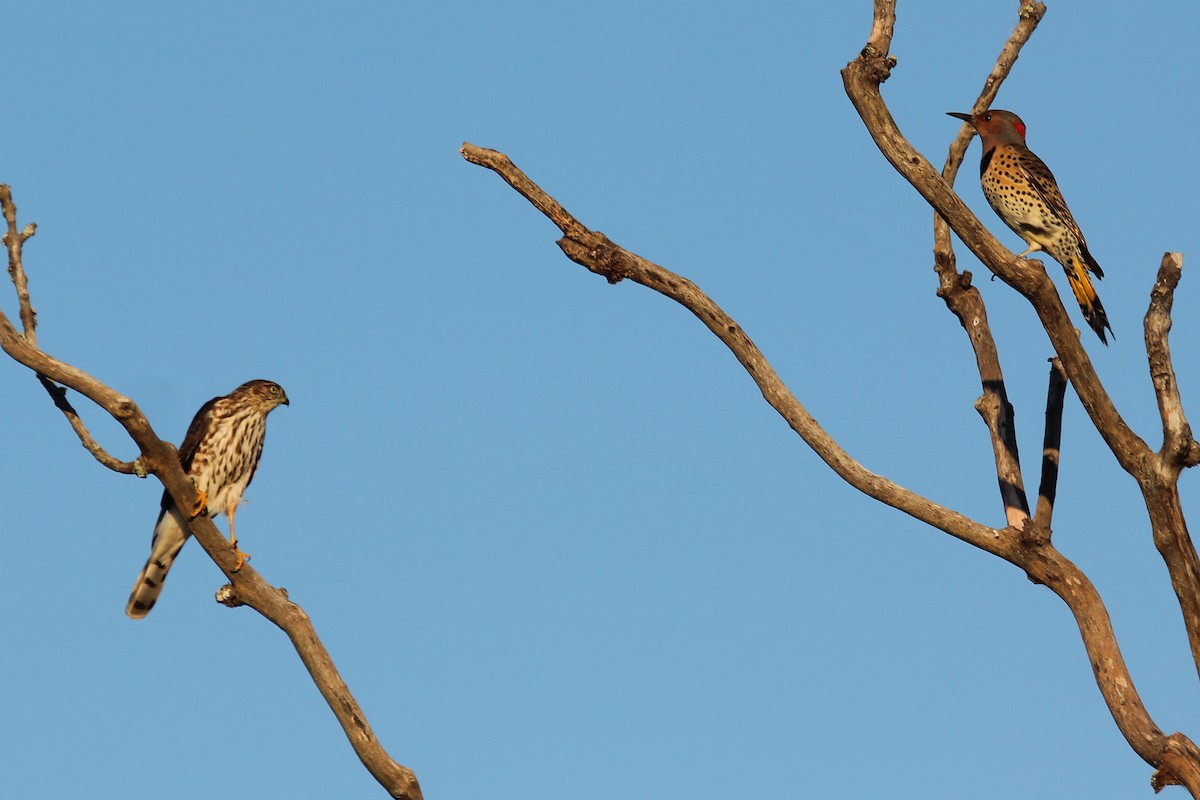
(1022, 191)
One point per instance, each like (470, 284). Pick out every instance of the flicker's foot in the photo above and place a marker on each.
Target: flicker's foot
(201, 506)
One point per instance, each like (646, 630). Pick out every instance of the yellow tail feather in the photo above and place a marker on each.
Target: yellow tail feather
(1088, 299)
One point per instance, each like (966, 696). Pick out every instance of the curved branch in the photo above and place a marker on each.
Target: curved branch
(1175, 757)
(598, 254)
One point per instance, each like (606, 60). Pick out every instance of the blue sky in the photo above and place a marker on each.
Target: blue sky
(556, 542)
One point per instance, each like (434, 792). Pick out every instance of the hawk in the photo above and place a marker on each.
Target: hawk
(220, 454)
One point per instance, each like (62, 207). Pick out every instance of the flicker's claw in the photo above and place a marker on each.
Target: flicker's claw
(201, 507)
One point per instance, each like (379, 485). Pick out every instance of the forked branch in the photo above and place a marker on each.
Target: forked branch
(1176, 757)
(1041, 562)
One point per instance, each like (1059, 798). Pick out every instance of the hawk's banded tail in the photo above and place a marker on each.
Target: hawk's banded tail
(169, 536)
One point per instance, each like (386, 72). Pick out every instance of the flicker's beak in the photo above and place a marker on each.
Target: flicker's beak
(967, 118)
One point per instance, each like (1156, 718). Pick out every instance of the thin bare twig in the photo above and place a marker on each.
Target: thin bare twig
(59, 396)
(14, 241)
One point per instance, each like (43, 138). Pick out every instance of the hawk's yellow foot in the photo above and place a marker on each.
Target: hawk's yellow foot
(201, 507)
(242, 558)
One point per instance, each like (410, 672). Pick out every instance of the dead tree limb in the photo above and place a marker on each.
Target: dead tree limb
(1155, 473)
(1039, 559)
(1175, 757)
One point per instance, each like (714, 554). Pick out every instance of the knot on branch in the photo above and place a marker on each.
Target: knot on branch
(228, 596)
(598, 254)
(877, 66)
(1034, 11)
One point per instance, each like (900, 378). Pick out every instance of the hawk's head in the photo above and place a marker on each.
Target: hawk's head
(266, 395)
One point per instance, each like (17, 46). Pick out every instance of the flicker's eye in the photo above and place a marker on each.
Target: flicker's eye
(987, 117)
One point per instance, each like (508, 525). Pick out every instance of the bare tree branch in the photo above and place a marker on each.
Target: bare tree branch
(862, 78)
(14, 241)
(1041, 562)
(1051, 446)
(965, 302)
(1177, 434)
(161, 459)
(1176, 758)
(598, 254)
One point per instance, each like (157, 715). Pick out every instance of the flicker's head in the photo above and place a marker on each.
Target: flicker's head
(995, 127)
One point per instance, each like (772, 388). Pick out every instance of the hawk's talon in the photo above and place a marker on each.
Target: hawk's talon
(242, 558)
(201, 507)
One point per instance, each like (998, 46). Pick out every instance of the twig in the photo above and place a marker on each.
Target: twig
(14, 241)
(59, 396)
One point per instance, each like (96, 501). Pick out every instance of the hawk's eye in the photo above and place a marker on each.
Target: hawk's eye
(274, 390)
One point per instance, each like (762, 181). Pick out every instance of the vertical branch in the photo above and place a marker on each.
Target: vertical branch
(14, 242)
(965, 302)
(1177, 434)
(1051, 444)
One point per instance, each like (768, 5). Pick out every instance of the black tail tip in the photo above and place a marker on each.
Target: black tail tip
(1099, 323)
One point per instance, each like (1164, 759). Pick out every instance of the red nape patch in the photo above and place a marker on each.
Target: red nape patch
(1020, 126)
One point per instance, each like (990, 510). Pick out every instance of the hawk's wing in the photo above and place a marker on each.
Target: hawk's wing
(191, 440)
